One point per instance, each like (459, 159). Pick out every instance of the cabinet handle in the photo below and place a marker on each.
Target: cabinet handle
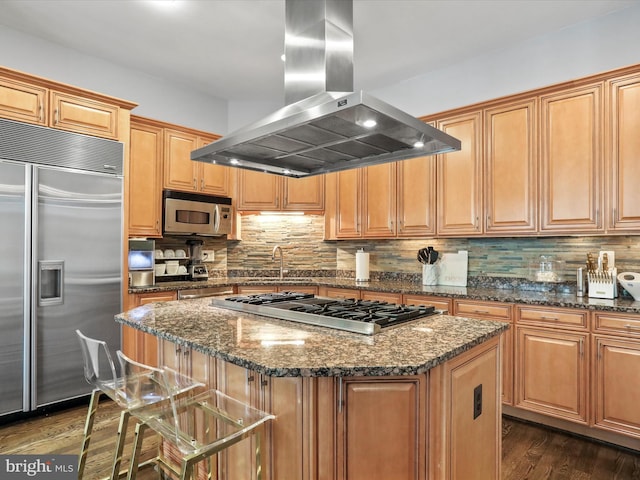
(481, 311)
(477, 223)
(178, 350)
(277, 202)
(202, 184)
(555, 319)
(488, 220)
(340, 399)
(250, 378)
(195, 183)
(581, 347)
(186, 353)
(264, 383)
(55, 116)
(632, 327)
(41, 114)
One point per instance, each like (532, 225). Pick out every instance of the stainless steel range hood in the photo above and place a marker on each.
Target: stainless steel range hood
(325, 126)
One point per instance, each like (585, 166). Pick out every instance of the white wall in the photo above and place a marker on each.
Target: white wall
(156, 97)
(581, 50)
(587, 48)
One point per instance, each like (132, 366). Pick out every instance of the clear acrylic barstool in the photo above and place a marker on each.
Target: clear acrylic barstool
(195, 427)
(133, 396)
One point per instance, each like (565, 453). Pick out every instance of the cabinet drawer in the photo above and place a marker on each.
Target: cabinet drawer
(381, 296)
(618, 324)
(489, 310)
(343, 293)
(440, 303)
(564, 317)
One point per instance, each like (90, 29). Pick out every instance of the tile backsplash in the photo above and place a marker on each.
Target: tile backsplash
(301, 238)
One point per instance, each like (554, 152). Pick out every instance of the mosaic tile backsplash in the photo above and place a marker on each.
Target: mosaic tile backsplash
(301, 238)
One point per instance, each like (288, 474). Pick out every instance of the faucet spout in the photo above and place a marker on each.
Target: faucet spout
(276, 249)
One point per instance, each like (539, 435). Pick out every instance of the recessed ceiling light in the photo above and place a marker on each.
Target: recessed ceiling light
(418, 144)
(164, 4)
(369, 123)
(234, 161)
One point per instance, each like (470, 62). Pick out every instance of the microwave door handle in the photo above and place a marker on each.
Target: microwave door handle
(216, 219)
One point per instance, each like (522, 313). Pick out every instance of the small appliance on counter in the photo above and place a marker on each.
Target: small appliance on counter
(197, 269)
(546, 269)
(141, 262)
(602, 275)
(630, 281)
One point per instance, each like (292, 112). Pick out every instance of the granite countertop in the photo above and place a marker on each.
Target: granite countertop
(284, 349)
(507, 295)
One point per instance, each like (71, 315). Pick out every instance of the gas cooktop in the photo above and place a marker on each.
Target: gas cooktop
(358, 316)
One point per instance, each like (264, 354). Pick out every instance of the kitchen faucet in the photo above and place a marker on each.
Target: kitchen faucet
(273, 257)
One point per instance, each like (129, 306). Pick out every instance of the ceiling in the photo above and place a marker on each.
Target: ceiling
(231, 48)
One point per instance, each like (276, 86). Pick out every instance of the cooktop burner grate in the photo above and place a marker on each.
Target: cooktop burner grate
(360, 316)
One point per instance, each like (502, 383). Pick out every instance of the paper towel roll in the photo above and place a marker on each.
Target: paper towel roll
(362, 266)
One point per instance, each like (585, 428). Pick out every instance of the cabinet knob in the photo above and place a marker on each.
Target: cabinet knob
(250, 378)
(264, 383)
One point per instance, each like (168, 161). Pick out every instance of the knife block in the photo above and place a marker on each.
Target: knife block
(602, 284)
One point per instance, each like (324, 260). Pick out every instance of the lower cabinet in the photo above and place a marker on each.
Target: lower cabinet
(138, 345)
(381, 428)
(552, 372)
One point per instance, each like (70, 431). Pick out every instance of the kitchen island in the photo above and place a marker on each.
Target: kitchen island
(418, 401)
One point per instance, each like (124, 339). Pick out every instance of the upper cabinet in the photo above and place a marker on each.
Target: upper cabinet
(510, 173)
(459, 184)
(145, 178)
(259, 191)
(571, 161)
(624, 148)
(382, 201)
(182, 173)
(30, 99)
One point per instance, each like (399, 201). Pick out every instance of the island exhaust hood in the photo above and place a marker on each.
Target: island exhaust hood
(325, 125)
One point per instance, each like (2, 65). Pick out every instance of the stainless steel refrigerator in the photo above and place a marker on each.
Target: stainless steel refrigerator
(61, 261)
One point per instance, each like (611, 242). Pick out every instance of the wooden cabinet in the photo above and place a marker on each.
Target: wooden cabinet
(381, 428)
(571, 161)
(182, 173)
(23, 102)
(31, 99)
(510, 173)
(254, 289)
(381, 296)
(552, 363)
(416, 197)
(383, 201)
(343, 293)
(188, 362)
(616, 373)
(440, 303)
(287, 443)
(138, 345)
(259, 191)
(500, 312)
(145, 179)
(624, 147)
(82, 115)
(459, 179)
(465, 420)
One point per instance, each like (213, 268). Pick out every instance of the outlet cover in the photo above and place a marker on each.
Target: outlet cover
(208, 255)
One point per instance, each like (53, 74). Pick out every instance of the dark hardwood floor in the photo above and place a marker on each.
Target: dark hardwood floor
(529, 452)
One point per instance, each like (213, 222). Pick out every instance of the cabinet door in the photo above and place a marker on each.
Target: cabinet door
(23, 102)
(82, 115)
(379, 201)
(304, 194)
(571, 153)
(416, 196)
(180, 173)
(258, 191)
(624, 125)
(551, 373)
(510, 169)
(145, 180)
(616, 384)
(348, 206)
(381, 428)
(214, 179)
(460, 179)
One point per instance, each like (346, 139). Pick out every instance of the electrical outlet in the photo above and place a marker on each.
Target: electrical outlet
(208, 255)
(477, 401)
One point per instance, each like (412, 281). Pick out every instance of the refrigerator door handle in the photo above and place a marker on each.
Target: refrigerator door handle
(50, 282)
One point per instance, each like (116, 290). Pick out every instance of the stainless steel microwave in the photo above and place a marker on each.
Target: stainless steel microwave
(194, 214)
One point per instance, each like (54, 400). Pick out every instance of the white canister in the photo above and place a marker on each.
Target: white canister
(430, 274)
(362, 266)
